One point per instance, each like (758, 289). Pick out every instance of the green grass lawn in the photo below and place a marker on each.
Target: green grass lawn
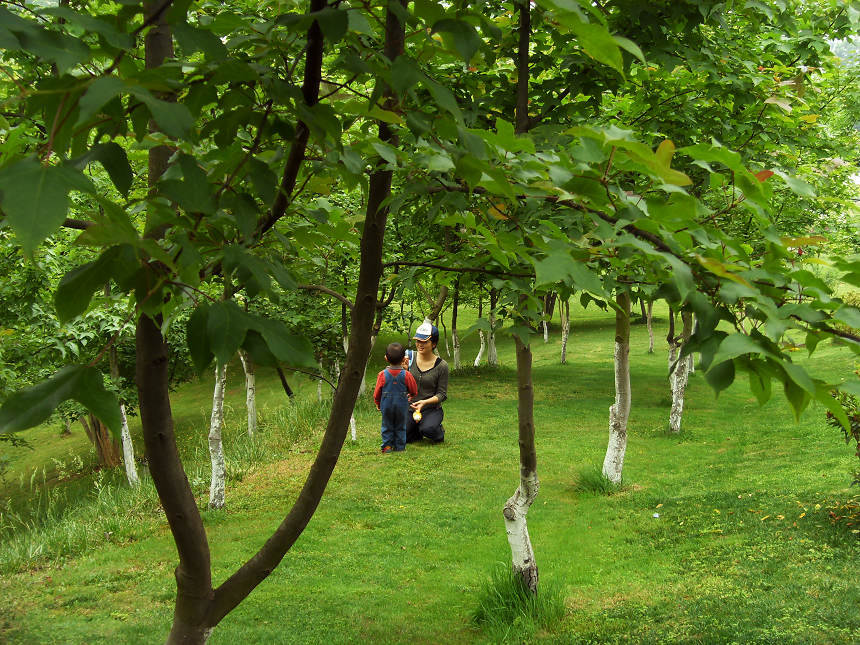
(743, 550)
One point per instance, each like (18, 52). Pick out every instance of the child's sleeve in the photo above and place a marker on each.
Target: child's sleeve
(377, 391)
(411, 385)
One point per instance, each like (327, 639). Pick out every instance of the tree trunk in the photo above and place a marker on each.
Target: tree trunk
(250, 390)
(216, 446)
(445, 335)
(125, 435)
(517, 507)
(548, 308)
(681, 374)
(492, 354)
(620, 410)
(107, 449)
(437, 304)
(128, 450)
(455, 339)
(287, 389)
(650, 321)
(67, 427)
(319, 382)
(565, 328)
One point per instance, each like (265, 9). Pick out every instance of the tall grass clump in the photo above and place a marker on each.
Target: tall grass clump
(591, 481)
(68, 525)
(508, 611)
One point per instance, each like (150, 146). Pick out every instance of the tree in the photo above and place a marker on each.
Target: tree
(254, 118)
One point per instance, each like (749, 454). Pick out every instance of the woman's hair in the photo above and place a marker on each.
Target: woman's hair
(394, 353)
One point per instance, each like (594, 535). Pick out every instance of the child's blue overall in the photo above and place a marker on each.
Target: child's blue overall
(394, 405)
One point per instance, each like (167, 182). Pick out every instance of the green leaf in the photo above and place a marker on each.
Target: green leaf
(77, 287)
(721, 376)
(464, 36)
(284, 345)
(404, 74)
(102, 90)
(630, 46)
(597, 42)
(797, 186)
(443, 98)
(35, 198)
(191, 39)
(174, 119)
(760, 386)
(333, 22)
(737, 344)
(114, 160)
(197, 337)
(225, 329)
(28, 408)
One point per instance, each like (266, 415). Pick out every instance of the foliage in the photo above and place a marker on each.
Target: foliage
(851, 405)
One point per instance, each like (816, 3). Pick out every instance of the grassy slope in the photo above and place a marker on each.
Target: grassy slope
(401, 543)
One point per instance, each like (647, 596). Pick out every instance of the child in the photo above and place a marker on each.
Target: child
(395, 386)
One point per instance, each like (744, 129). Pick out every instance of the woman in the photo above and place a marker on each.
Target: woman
(431, 374)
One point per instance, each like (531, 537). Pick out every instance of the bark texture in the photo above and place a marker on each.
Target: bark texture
(250, 390)
(125, 436)
(455, 338)
(680, 375)
(482, 347)
(107, 449)
(619, 412)
(565, 328)
(492, 353)
(517, 507)
(649, 318)
(218, 484)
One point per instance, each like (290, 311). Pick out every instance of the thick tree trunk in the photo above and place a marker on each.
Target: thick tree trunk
(218, 483)
(455, 339)
(649, 318)
(492, 354)
(619, 412)
(565, 328)
(681, 373)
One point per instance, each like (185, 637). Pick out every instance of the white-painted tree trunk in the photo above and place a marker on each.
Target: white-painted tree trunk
(545, 331)
(516, 527)
(619, 412)
(250, 390)
(481, 349)
(216, 447)
(352, 428)
(67, 426)
(128, 450)
(492, 354)
(455, 339)
(319, 382)
(565, 328)
(679, 378)
(650, 320)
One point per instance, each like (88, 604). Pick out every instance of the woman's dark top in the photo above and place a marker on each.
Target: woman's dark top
(432, 382)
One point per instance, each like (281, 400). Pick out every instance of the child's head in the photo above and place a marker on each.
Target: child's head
(394, 354)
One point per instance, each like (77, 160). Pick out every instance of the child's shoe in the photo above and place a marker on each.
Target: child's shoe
(386, 449)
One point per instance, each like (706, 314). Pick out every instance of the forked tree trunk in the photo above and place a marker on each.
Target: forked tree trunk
(681, 374)
(199, 607)
(492, 354)
(455, 339)
(619, 412)
(517, 507)
(565, 328)
(649, 318)
(250, 390)
(218, 483)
